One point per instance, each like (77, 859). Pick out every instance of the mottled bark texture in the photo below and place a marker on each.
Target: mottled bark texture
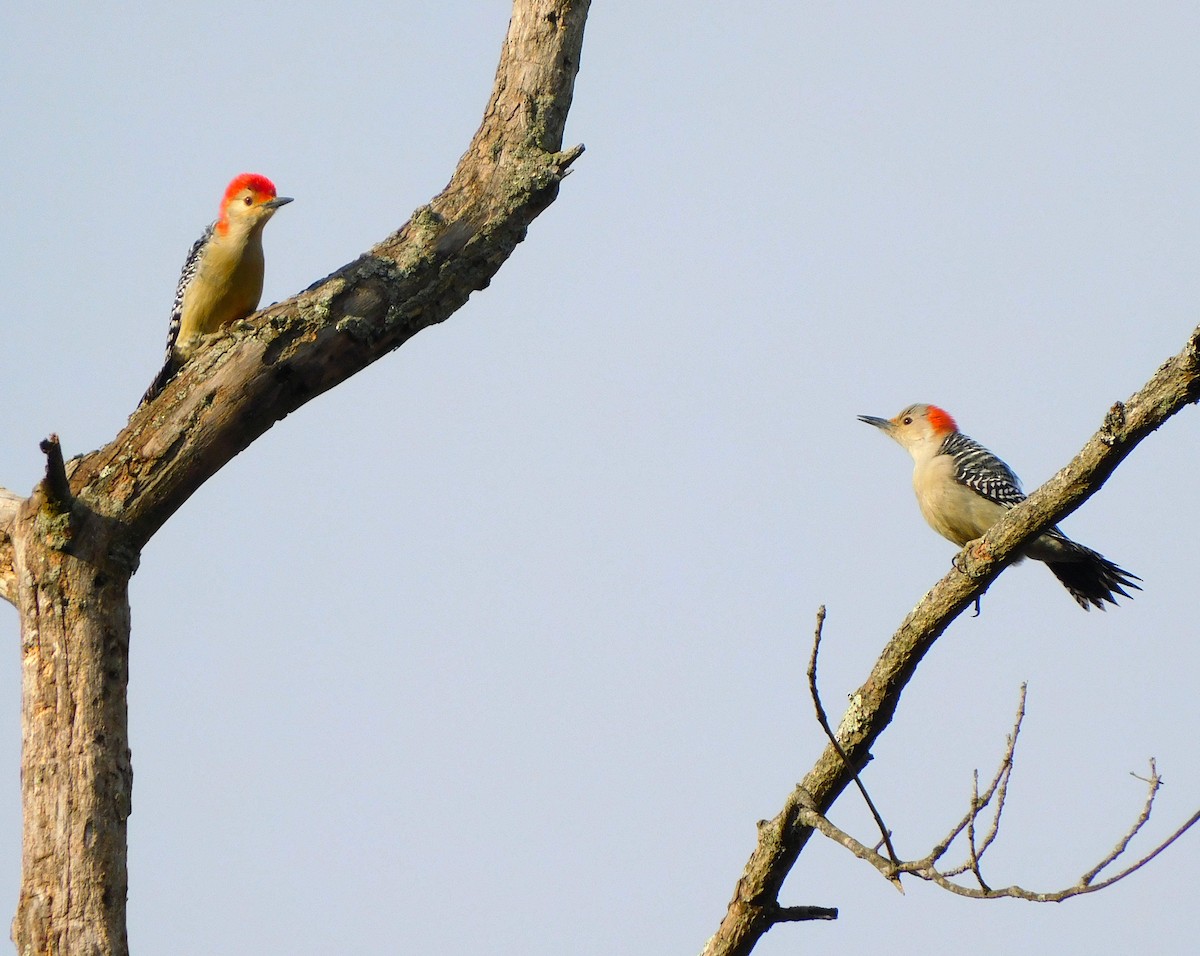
(68, 550)
(755, 907)
(72, 595)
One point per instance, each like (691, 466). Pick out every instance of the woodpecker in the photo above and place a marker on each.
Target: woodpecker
(222, 278)
(963, 489)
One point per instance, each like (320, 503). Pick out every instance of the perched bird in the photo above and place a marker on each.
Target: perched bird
(963, 489)
(222, 278)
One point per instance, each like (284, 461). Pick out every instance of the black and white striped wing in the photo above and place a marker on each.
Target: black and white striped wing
(982, 472)
(186, 275)
(170, 364)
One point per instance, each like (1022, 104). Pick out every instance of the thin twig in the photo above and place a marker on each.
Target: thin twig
(823, 720)
(926, 870)
(972, 852)
(1154, 782)
(999, 786)
(823, 825)
(1188, 824)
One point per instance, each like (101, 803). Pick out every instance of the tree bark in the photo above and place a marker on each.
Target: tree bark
(76, 776)
(67, 552)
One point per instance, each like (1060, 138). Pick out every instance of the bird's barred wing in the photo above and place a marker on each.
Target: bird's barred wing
(982, 472)
(188, 273)
(170, 363)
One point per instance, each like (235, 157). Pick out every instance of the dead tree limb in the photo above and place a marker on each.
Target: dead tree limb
(815, 694)
(926, 868)
(69, 579)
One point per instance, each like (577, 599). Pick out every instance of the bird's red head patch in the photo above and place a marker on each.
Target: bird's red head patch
(941, 420)
(251, 181)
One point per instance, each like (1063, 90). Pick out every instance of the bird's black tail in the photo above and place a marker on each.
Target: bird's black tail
(1092, 579)
(165, 374)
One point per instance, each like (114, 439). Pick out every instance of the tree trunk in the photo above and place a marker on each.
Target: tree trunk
(75, 768)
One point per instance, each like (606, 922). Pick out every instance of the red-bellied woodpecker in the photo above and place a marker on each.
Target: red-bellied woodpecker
(963, 489)
(222, 278)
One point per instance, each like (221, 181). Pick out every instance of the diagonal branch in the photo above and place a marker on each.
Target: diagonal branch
(823, 720)
(254, 375)
(1154, 781)
(926, 868)
(1175, 385)
(997, 789)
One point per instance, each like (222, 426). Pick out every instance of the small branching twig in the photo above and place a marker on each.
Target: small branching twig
(999, 786)
(927, 869)
(819, 822)
(973, 852)
(998, 790)
(823, 720)
(1154, 782)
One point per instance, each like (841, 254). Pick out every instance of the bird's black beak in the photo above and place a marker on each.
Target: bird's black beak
(877, 422)
(276, 203)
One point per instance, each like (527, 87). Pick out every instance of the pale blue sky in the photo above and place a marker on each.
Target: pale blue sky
(499, 647)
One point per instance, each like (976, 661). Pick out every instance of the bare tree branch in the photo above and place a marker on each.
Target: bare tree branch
(1154, 782)
(1175, 385)
(1086, 883)
(1187, 825)
(927, 870)
(998, 789)
(973, 852)
(814, 693)
(822, 824)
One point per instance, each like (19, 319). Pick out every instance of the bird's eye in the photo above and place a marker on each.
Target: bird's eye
(249, 200)
(908, 420)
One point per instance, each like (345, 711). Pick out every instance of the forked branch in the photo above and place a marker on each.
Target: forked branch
(926, 868)
(993, 797)
(815, 694)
